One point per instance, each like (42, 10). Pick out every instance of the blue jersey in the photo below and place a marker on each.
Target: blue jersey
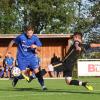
(23, 45)
(9, 61)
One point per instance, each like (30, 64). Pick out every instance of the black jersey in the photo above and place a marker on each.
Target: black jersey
(73, 54)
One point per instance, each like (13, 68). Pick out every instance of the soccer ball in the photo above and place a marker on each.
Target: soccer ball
(16, 71)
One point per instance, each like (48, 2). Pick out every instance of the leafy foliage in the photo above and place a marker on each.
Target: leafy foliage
(48, 16)
(53, 16)
(7, 17)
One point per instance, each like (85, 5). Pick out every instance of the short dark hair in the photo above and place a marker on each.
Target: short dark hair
(29, 27)
(78, 33)
(9, 52)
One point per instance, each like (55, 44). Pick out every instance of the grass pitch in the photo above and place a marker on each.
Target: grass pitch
(57, 90)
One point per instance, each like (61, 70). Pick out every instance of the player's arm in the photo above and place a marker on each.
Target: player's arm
(69, 45)
(37, 45)
(94, 45)
(9, 47)
(37, 49)
(33, 46)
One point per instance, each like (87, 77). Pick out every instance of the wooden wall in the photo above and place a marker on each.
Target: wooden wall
(50, 46)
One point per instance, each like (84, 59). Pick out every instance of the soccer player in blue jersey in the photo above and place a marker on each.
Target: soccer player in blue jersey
(27, 45)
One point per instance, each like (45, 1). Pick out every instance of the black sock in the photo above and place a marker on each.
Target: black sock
(74, 82)
(84, 83)
(33, 76)
(40, 78)
(19, 77)
(43, 72)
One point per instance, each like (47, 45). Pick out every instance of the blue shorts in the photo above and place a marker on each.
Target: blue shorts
(31, 63)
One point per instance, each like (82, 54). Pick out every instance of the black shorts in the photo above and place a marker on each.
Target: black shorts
(59, 69)
(69, 65)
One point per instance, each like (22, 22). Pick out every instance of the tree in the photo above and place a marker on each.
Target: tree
(52, 16)
(88, 20)
(94, 27)
(7, 16)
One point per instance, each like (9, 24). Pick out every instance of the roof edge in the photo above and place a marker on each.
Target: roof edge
(39, 35)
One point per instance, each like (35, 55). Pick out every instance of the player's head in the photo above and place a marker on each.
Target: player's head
(8, 54)
(77, 36)
(29, 31)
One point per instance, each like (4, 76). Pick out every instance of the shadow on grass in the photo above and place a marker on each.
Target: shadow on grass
(28, 89)
(21, 89)
(72, 91)
(51, 91)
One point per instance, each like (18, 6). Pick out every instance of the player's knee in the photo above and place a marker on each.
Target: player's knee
(68, 80)
(36, 70)
(23, 71)
(38, 74)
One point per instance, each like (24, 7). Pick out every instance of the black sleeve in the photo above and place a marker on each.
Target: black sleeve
(86, 46)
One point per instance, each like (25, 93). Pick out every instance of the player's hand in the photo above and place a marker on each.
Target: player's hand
(78, 48)
(33, 46)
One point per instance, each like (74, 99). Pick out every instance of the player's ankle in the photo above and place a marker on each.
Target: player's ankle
(44, 88)
(84, 83)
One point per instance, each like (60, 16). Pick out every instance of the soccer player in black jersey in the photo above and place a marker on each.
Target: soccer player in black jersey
(75, 48)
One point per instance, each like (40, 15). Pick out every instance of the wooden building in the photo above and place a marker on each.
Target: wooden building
(52, 44)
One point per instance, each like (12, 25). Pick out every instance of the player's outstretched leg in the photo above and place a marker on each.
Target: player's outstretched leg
(88, 86)
(15, 80)
(25, 77)
(78, 83)
(41, 80)
(31, 77)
